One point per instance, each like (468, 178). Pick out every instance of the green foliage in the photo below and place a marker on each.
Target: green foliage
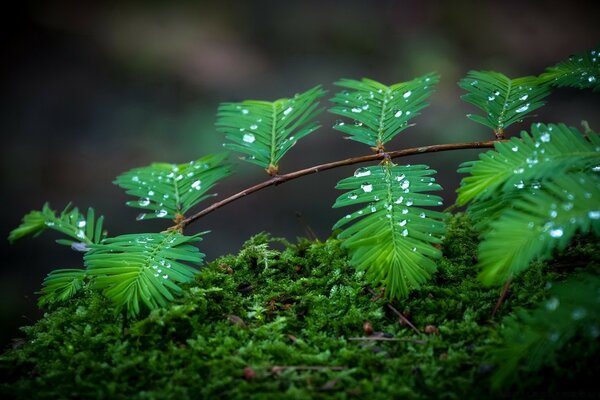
(146, 268)
(535, 339)
(531, 195)
(391, 235)
(538, 223)
(264, 130)
(61, 285)
(549, 150)
(170, 190)
(580, 71)
(503, 100)
(380, 112)
(81, 228)
(313, 304)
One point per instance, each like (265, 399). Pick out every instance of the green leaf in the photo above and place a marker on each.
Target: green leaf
(264, 131)
(391, 235)
(580, 71)
(143, 268)
(503, 100)
(533, 339)
(380, 112)
(60, 285)
(170, 190)
(538, 223)
(520, 163)
(81, 228)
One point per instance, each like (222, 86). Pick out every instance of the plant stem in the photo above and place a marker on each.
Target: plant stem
(279, 179)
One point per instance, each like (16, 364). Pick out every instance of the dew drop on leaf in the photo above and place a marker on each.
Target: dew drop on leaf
(196, 185)
(161, 213)
(552, 304)
(287, 111)
(407, 94)
(249, 138)
(594, 214)
(398, 114)
(545, 137)
(523, 108)
(144, 202)
(366, 187)
(556, 233)
(360, 172)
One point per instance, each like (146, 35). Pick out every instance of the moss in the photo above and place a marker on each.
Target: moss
(271, 324)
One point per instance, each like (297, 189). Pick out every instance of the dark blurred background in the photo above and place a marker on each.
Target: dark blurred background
(89, 91)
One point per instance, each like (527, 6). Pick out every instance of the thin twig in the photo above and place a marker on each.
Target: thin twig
(280, 368)
(502, 296)
(384, 339)
(279, 179)
(398, 313)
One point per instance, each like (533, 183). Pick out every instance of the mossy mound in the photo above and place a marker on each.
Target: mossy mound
(297, 323)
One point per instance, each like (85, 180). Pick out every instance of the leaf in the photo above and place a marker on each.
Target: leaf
(520, 163)
(170, 190)
(538, 223)
(534, 338)
(143, 268)
(503, 100)
(380, 112)
(81, 228)
(264, 130)
(60, 285)
(580, 71)
(391, 235)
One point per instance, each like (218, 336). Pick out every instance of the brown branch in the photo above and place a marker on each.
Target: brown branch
(384, 339)
(279, 179)
(503, 295)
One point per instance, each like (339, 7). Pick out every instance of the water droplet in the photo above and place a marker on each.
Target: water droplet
(140, 217)
(515, 148)
(591, 79)
(594, 214)
(362, 172)
(249, 138)
(491, 98)
(398, 114)
(407, 94)
(81, 223)
(530, 225)
(348, 216)
(373, 209)
(545, 137)
(596, 168)
(578, 313)
(366, 187)
(196, 185)
(556, 233)
(135, 178)
(553, 214)
(518, 171)
(520, 185)
(253, 126)
(151, 193)
(80, 234)
(287, 111)
(405, 232)
(352, 196)
(244, 111)
(356, 110)
(161, 213)
(405, 211)
(409, 203)
(144, 202)
(523, 108)
(400, 177)
(552, 304)
(524, 97)
(165, 276)
(400, 200)
(402, 223)
(553, 337)
(365, 107)
(405, 184)
(496, 93)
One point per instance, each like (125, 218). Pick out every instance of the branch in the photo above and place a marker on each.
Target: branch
(279, 179)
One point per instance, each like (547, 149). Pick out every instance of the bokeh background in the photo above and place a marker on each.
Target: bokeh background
(89, 91)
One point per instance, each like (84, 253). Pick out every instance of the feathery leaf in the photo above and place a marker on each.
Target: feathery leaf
(380, 112)
(580, 71)
(391, 236)
(170, 190)
(144, 268)
(83, 229)
(519, 163)
(60, 285)
(533, 339)
(538, 223)
(264, 130)
(503, 100)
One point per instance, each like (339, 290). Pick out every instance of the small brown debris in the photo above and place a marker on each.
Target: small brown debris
(443, 356)
(292, 338)
(226, 268)
(249, 373)
(330, 385)
(432, 330)
(367, 328)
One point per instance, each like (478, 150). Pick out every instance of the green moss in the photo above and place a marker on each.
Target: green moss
(251, 324)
